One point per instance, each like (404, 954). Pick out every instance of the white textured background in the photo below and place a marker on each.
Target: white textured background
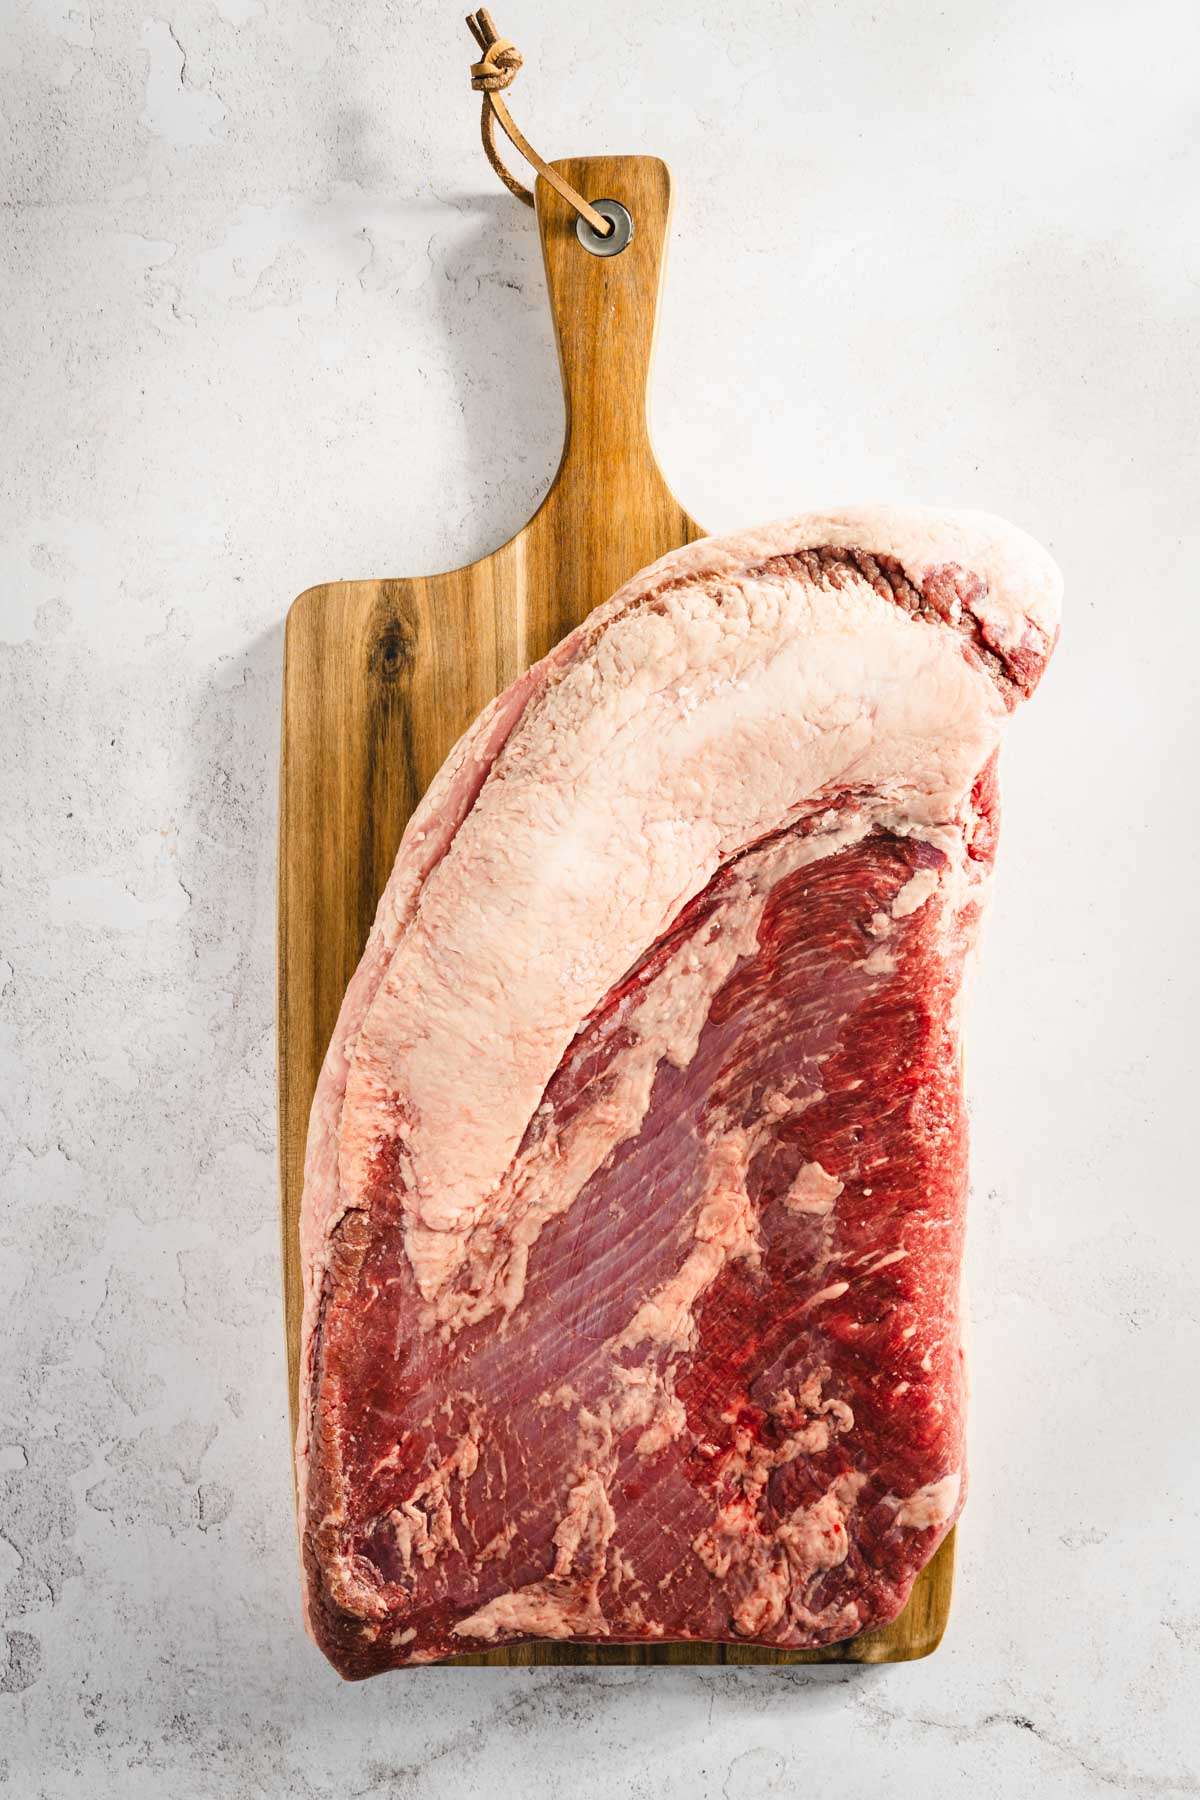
(268, 319)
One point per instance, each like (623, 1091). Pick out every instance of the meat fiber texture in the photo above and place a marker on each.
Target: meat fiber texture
(637, 1169)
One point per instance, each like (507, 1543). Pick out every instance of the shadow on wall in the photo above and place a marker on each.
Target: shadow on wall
(490, 297)
(470, 265)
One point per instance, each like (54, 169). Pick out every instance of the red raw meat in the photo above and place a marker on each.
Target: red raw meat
(636, 1180)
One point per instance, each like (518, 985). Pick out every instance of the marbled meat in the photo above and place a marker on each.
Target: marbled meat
(636, 1177)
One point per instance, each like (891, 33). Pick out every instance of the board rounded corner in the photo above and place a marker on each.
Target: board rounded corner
(307, 600)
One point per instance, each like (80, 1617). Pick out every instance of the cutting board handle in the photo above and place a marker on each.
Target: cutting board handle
(604, 310)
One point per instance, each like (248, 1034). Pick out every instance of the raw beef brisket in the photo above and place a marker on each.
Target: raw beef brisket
(637, 1168)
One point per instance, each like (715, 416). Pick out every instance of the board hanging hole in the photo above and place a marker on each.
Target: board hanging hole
(618, 238)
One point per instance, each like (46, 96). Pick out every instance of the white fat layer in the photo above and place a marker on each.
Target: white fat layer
(1022, 594)
(610, 807)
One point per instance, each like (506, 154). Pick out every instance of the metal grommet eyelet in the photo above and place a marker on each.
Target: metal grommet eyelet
(618, 238)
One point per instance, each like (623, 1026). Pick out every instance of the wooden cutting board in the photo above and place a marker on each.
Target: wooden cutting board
(381, 678)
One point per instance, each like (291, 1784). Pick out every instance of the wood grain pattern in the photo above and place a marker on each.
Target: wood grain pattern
(381, 678)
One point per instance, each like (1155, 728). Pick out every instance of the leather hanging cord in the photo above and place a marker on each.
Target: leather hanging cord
(495, 71)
